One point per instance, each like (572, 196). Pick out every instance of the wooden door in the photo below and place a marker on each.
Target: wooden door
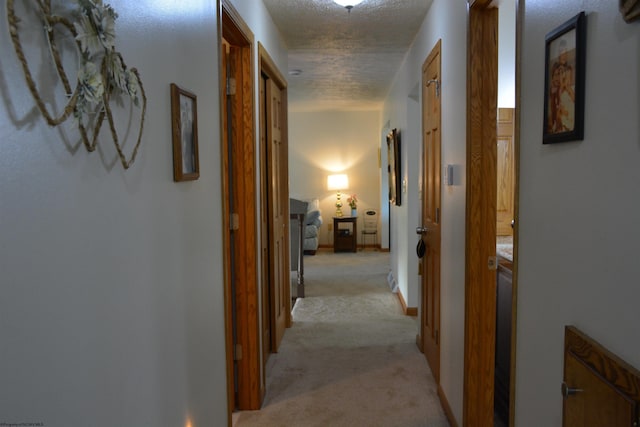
(599, 389)
(240, 232)
(265, 230)
(430, 319)
(505, 172)
(279, 212)
(480, 254)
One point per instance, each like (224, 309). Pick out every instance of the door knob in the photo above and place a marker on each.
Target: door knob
(569, 391)
(421, 230)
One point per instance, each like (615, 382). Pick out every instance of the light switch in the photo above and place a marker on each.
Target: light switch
(449, 174)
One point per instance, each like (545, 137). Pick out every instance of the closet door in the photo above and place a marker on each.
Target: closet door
(505, 172)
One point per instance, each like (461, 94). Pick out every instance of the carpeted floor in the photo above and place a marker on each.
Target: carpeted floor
(350, 358)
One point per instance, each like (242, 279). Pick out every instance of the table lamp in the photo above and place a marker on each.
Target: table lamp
(338, 182)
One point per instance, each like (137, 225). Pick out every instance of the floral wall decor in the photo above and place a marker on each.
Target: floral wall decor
(102, 76)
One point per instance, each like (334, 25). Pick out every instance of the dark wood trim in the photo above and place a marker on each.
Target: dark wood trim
(447, 407)
(480, 281)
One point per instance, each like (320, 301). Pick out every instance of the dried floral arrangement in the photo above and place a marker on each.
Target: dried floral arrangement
(102, 74)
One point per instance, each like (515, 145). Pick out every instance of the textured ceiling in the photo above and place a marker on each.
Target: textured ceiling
(347, 60)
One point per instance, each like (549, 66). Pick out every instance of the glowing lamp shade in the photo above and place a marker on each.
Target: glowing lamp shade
(348, 3)
(338, 182)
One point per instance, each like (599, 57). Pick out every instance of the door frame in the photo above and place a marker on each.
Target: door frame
(480, 278)
(238, 171)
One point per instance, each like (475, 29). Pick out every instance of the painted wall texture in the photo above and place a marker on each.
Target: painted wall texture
(579, 208)
(111, 297)
(446, 20)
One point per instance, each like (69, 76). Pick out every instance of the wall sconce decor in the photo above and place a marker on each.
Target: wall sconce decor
(103, 79)
(337, 183)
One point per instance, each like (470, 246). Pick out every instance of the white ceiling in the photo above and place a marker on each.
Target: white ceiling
(347, 59)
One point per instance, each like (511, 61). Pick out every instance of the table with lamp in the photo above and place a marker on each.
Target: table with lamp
(345, 228)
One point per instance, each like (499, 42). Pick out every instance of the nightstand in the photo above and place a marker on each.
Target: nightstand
(345, 233)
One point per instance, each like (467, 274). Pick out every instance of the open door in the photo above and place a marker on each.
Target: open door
(480, 256)
(431, 214)
(491, 205)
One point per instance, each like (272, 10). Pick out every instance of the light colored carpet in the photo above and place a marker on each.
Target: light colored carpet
(350, 358)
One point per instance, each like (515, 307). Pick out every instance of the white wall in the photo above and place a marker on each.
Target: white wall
(445, 20)
(111, 310)
(579, 208)
(507, 54)
(322, 143)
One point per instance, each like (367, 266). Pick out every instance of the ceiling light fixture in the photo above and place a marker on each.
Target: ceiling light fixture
(348, 4)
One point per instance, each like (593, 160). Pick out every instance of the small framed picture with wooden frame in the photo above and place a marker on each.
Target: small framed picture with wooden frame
(184, 128)
(564, 85)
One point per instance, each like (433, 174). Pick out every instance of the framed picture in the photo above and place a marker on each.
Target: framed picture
(393, 167)
(564, 82)
(630, 10)
(184, 127)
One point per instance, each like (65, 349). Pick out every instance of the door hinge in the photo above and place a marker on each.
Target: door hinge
(437, 215)
(437, 337)
(493, 263)
(234, 222)
(231, 86)
(237, 353)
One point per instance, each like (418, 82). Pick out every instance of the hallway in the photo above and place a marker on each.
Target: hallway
(350, 358)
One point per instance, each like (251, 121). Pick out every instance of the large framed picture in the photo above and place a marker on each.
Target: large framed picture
(184, 127)
(393, 167)
(564, 83)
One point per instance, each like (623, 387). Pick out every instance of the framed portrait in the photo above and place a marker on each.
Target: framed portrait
(393, 167)
(564, 83)
(184, 128)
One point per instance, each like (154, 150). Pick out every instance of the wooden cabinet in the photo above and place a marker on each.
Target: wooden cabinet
(345, 234)
(503, 339)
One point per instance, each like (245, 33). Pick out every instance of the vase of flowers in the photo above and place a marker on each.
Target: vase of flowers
(353, 204)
